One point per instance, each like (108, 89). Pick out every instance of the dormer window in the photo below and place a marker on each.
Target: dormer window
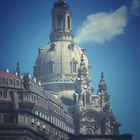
(73, 65)
(52, 47)
(50, 67)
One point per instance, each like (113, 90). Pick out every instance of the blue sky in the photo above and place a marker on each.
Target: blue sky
(108, 29)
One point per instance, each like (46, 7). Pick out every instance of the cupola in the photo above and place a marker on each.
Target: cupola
(61, 22)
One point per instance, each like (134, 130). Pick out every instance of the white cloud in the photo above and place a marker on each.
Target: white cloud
(103, 26)
(135, 8)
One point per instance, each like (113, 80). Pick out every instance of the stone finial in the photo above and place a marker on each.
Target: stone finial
(18, 68)
(102, 75)
(82, 71)
(102, 85)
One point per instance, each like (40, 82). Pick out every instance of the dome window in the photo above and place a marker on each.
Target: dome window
(50, 67)
(71, 46)
(52, 47)
(73, 65)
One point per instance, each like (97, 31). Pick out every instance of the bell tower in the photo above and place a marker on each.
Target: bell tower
(61, 22)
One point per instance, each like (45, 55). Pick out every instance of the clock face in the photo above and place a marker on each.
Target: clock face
(85, 86)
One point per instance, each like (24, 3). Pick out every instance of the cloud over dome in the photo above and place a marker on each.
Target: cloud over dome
(103, 26)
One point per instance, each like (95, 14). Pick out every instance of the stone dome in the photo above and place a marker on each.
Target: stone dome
(59, 61)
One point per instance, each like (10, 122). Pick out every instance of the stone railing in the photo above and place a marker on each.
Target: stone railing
(59, 77)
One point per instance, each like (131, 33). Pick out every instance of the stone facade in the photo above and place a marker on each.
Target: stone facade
(93, 114)
(27, 104)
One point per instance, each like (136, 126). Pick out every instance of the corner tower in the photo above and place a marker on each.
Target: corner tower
(61, 22)
(57, 63)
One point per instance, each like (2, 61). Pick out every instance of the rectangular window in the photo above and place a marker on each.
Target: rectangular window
(73, 66)
(6, 118)
(1, 118)
(50, 67)
(6, 81)
(10, 81)
(5, 94)
(3, 81)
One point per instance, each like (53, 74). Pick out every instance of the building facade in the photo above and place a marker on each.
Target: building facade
(58, 102)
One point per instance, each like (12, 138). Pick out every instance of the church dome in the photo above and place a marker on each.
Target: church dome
(59, 61)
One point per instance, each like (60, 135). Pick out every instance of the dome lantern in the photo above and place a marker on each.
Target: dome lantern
(61, 22)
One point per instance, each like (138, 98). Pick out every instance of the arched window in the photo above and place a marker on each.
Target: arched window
(10, 82)
(73, 64)
(5, 96)
(50, 67)
(68, 19)
(60, 21)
